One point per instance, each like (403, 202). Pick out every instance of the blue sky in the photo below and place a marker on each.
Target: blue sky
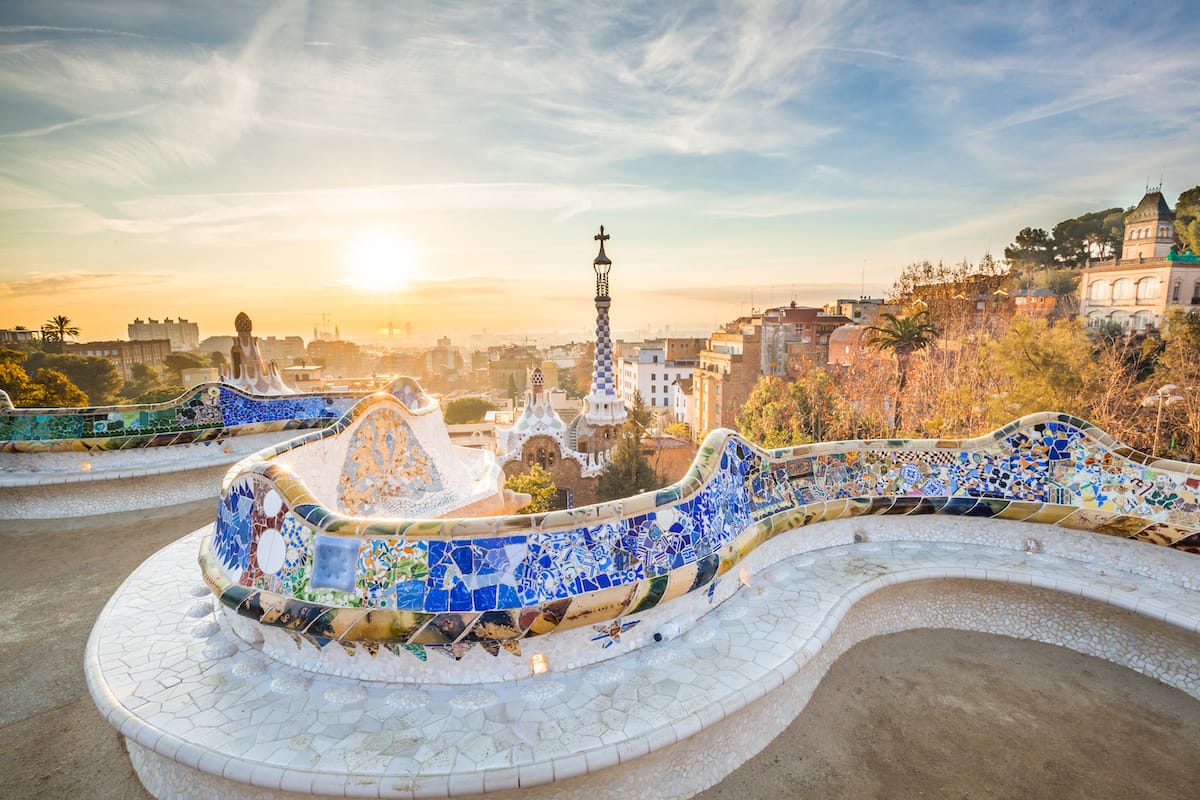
(161, 159)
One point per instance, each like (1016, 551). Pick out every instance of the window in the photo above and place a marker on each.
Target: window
(652, 389)
(653, 376)
(1095, 319)
(1098, 290)
(1123, 289)
(1147, 288)
(1143, 320)
(1175, 290)
(1121, 318)
(1196, 293)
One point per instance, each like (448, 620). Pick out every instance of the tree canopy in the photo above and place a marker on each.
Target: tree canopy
(175, 363)
(536, 483)
(48, 388)
(466, 410)
(1187, 221)
(97, 377)
(628, 472)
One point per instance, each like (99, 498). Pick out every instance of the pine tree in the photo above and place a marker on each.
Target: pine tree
(628, 472)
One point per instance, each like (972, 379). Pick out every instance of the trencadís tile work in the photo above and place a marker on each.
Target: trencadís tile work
(205, 412)
(328, 584)
(372, 635)
(65, 462)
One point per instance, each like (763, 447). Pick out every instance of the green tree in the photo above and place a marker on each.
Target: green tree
(902, 336)
(536, 483)
(48, 388)
(1043, 367)
(679, 430)
(1179, 365)
(567, 382)
(55, 390)
(160, 394)
(96, 376)
(217, 359)
(177, 362)
(770, 416)
(466, 410)
(57, 330)
(1097, 234)
(809, 409)
(142, 378)
(628, 472)
(1187, 221)
(512, 389)
(1032, 250)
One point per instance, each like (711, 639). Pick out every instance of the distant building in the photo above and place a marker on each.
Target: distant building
(341, 359)
(182, 334)
(444, 368)
(781, 342)
(124, 354)
(284, 351)
(217, 344)
(18, 335)
(1035, 302)
(653, 368)
(729, 367)
(508, 365)
(795, 338)
(1140, 289)
(848, 346)
(860, 311)
(681, 401)
(303, 378)
(194, 376)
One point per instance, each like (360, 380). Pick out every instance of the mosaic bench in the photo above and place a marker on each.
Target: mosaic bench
(75, 461)
(377, 653)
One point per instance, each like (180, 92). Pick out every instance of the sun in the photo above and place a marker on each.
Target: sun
(380, 262)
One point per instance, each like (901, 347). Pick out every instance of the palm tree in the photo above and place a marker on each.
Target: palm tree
(59, 328)
(903, 336)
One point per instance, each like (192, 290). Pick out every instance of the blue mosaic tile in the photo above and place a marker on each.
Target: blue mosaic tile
(334, 559)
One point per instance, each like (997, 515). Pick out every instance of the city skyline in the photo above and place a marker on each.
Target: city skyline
(292, 160)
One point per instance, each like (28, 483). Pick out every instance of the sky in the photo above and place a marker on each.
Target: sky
(447, 164)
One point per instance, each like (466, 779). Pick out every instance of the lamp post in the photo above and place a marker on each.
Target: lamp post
(1165, 395)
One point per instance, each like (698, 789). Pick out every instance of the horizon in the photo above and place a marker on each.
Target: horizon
(447, 165)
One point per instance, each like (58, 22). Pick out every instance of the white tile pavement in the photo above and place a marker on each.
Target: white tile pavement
(209, 715)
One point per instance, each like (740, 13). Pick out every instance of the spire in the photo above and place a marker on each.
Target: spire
(604, 407)
(601, 264)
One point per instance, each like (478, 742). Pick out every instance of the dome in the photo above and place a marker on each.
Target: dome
(241, 323)
(537, 379)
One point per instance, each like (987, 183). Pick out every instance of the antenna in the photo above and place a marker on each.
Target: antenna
(862, 287)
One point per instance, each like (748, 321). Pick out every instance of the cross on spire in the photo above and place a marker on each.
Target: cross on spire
(601, 237)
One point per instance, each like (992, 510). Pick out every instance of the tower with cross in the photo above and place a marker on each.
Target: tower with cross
(605, 411)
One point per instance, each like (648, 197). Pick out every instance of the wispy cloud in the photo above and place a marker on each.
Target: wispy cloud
(796, 136)
(66, 284)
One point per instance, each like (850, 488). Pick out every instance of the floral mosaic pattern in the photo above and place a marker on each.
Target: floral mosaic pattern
(451, 590)
(385, 465)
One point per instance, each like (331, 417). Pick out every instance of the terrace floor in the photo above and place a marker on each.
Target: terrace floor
(918, 713)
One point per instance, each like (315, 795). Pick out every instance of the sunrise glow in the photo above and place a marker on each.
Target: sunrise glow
(381, 262)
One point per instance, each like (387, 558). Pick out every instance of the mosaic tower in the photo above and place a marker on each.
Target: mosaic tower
(604, 407)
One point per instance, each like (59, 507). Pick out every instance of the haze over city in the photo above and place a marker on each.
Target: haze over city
(446, 165)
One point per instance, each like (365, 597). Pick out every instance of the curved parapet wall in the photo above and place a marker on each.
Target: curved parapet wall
(203, 413)
(374, 583)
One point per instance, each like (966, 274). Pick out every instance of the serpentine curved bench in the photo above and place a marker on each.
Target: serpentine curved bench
(582, 655)
(76, 461)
